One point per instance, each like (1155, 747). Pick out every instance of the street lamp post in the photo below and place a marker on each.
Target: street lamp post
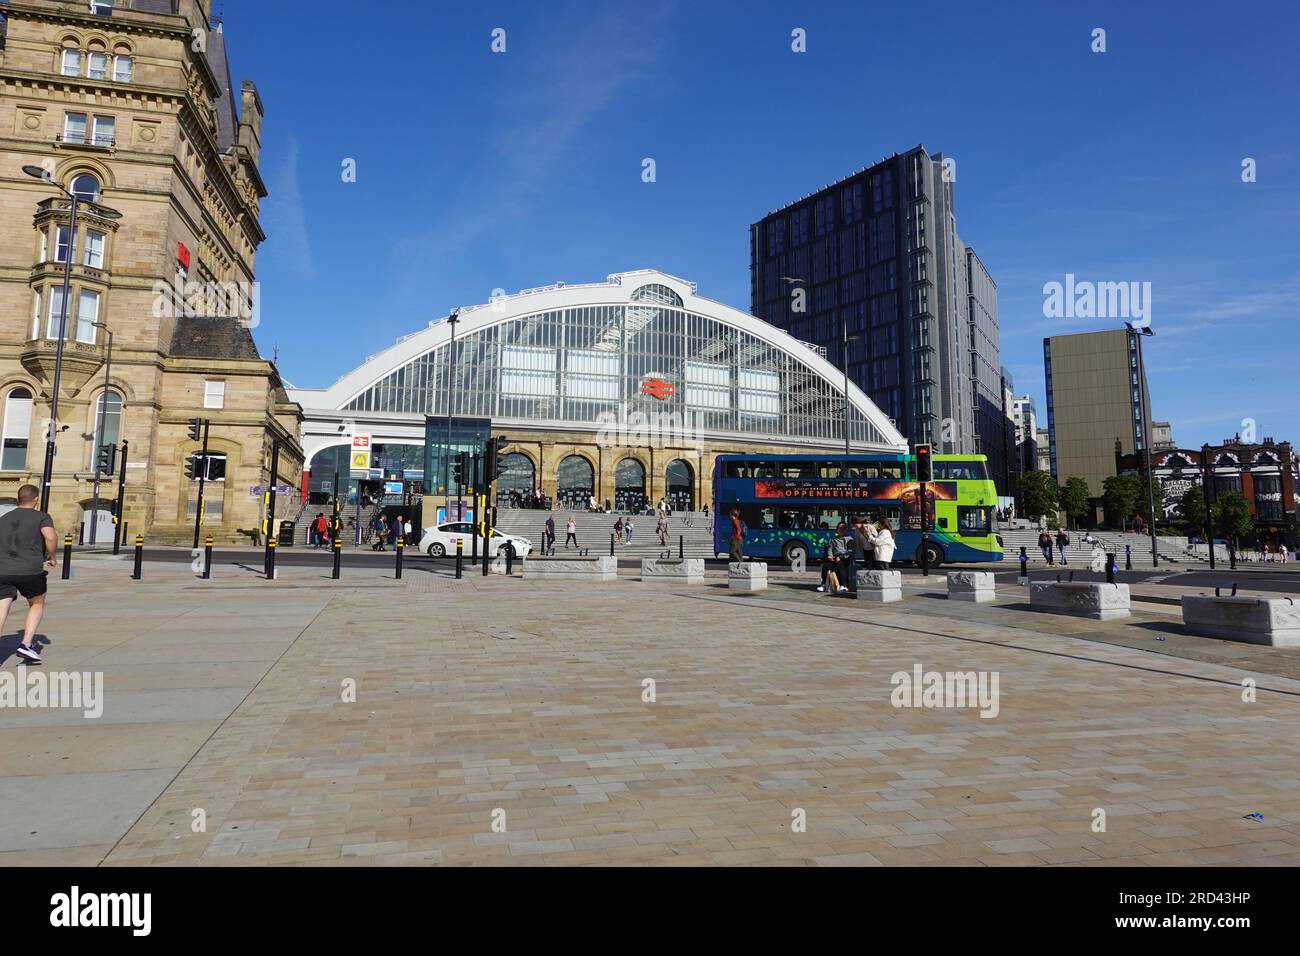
(848, 406)
(39, 172)
(1139, 333)
(103, 418)
(452, 317)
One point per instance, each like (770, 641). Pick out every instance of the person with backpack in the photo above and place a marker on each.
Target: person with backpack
(1062, 542)
(381, 533)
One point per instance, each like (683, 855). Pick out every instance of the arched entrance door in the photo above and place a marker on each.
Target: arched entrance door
(575, 483)
(517, 478)
(629, 485)
(681, 485)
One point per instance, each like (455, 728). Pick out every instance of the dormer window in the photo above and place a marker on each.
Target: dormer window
(101, 8)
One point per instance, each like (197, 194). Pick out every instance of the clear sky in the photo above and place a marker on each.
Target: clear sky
(478, 171)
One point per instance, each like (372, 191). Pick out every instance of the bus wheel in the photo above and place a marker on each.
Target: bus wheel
(795, 552)
(933, 554)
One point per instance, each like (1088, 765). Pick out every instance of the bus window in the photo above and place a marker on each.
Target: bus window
(797, 469)
(793, 519)
(891, 469)
(828, 518)
(738, 469)
(974, 520)
(862, 470)
(891, 514)
(763, 469)
(829, 469)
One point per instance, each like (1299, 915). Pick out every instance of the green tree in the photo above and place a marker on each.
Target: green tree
(1194, 510)
(1232, 517)
(1038, 493)
(1074, 498)
(1157, 496)
(1119, 495)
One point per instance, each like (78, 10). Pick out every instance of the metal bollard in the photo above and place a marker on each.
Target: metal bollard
(1024, 564)
(207, 558)
(485, 557)
(1128, 557)
(271, 544)
(401, 546)
(1232, 556)
(460, 558)
(138, 573)
(337, 543)
(681, 546)
(67, 556)
(611, 544)
(1110, 567)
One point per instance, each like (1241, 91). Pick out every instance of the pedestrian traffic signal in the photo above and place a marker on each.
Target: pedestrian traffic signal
(106, 463)
(492, 458)
(196, 429)
(924, 463)
(460, 469)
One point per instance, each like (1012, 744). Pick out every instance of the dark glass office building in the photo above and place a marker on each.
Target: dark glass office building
(875, 258)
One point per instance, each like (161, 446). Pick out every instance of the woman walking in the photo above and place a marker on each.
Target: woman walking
(661, 527)
(883, 539)
(570, 533)
(618, 531)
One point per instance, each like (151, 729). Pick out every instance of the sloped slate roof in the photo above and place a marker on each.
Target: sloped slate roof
(219, 338)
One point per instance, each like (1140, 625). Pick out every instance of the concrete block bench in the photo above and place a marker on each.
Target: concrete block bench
(1271, 621)
(680, 571)
(604, 568)
(978, 586)
(1099, 601)
(883, 587)
(747, 576)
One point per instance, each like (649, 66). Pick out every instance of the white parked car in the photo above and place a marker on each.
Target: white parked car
(441, 540)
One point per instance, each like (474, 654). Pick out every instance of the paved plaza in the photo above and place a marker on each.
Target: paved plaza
(511, 722)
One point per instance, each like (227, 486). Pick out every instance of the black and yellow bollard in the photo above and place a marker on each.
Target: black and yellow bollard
(271, 544)
(460, 557)
(337, 544)
(67, 556)
(485, 557)
(401, 546)
(138, 573)
(207, 558)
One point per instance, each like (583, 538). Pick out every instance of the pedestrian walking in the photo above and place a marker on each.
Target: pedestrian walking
(1062, 542)
(884, 542)
(1045, 545)
(737, 536)
(570, 533)
(618, 530)
(661, 527)
(627, 530)
(381, 533)
(321, 528)
(27, 554)
(1282, 553)
(548, 542)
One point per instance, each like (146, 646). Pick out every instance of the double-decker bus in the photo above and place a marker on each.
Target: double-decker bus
(790, 504)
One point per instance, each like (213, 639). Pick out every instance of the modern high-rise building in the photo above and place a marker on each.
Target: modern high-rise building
(1096, 402)
(875, 259)
(130, 107)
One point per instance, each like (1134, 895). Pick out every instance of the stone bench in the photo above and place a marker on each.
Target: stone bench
(604, 568)
(747, 576)
(883, 587)
(678, 571)
(978, 586)
(1099, 601)
(1271, 621)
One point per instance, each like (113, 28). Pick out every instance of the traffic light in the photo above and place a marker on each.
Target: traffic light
(924, 463)
(192, 467)
(106, 463)
(492, 458)
(460, 470)
(196, 429)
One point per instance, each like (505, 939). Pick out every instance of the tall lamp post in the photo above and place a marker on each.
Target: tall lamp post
(452, 317)
(1140, 332)
(845, 339)
(103, 418)
(39, 172)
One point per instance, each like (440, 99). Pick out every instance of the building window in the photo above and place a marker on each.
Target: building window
(87, 315)
(85, 187)
(71, 63)
(101, 8)
(61, 244)
(123, 67)
(36, 316)
(94, 255)
(17, 429)
(98, 68)
(112, 418)
(105, 130)
(214, 394)
(74, 128)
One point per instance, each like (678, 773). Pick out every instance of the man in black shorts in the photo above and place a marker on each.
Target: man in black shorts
(27, 551)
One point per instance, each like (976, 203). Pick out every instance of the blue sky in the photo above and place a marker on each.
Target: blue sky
(478, 171)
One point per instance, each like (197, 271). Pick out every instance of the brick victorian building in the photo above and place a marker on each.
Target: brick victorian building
(129, 105)
(1266, 473)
